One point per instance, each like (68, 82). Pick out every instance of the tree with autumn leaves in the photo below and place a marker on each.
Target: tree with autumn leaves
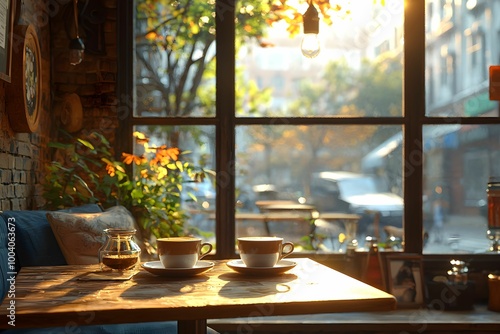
(175, 49)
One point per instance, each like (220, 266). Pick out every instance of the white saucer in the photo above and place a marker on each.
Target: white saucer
(280, 267)
(156, 268)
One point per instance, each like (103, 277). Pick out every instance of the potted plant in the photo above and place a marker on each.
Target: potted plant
(149, 184)
(154, 189)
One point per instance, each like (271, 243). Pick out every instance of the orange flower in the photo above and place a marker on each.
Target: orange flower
(164, 155)
(129, 158)
(144, 173)
(171, 153)
(111, 170)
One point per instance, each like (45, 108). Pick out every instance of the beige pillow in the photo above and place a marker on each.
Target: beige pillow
(80, 235)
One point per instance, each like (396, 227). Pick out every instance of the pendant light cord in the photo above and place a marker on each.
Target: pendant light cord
(75, 11)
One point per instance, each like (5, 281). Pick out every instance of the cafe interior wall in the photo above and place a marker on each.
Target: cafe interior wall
(23, 155)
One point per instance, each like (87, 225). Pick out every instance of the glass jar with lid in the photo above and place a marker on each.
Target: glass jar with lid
(119, 252)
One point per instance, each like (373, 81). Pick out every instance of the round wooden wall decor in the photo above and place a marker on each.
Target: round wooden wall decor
(70, 111)
(24, 93)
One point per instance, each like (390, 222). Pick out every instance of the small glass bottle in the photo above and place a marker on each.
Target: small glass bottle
(372, 273)
(493, 192)
(119, 252)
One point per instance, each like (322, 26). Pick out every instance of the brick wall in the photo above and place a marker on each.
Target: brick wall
(21, 153)
(94, 80)
(24, 155)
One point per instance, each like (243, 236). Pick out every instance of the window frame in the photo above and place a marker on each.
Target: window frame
(225, 121)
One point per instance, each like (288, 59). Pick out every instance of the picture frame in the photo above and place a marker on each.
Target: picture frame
(404, 277)
(7, 12)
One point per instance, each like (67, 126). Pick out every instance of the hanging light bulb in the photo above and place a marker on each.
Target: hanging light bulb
(76, 46)
(76, 51)
(310, 42)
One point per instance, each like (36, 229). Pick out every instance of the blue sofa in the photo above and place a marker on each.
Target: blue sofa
(35, 244)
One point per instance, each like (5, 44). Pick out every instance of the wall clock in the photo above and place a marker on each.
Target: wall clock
(24, 93)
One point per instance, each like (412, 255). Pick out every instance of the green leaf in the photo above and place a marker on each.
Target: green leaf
(179, 165)
(137, 193)
(59, 145)
(86, 143)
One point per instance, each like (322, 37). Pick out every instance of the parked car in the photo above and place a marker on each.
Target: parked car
(362, 194)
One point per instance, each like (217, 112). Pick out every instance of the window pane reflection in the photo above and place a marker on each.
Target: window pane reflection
(333, 169)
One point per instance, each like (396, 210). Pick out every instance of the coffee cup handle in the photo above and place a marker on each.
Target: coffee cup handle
(284, 251)
(203, 253)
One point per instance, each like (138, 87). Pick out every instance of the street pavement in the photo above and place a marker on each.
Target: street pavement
(460, 234)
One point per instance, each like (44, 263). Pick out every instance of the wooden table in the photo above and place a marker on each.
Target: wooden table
(267, 206)
(54, 296)
(279, 210)
(263, 203)
(275, 216)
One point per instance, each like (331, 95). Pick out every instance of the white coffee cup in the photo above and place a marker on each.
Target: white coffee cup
(263, 251)
(181, 252)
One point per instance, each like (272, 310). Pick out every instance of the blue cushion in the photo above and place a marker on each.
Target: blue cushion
(36, 244)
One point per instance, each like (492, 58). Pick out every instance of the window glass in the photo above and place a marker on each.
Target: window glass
(304, 172)
(175, 59)
(358, 72)
(458, 162)
(310, 171)
(461, 44)
(459, 158)
(326, 133)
